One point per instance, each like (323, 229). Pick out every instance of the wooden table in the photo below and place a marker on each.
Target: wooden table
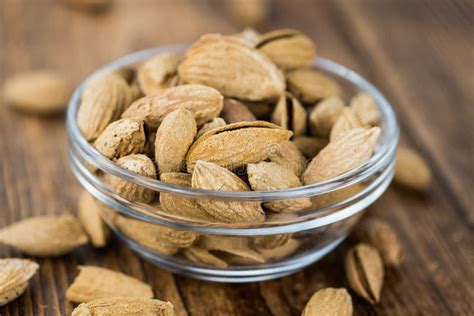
(419, 53)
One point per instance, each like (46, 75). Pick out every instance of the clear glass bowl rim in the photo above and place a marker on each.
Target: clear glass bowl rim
(386, 148)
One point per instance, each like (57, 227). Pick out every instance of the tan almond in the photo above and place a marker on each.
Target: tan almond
(103, 100)
(141, 165)
(411, 170)
(94, 283)
(121, 138)
(38, 91)
(204, 256)
(365, 108)
(235, 111)
(249, 34)
(270, 241)
(234, 249)
(44, 235)
(290, 114)
(125, 306)
(288, 49)
(337, 196)
(89, 216)
(310, 86)
(237, 144)
(325, 114)
(14, 276)
(145, 234)
(210, 176)
(382, 236)
(349, 151)
(347, 120)
(329, 302)
(173, 139)
(157, 72)
(233, 67)
(181, 206)
(204, 102)
(277, 253)
(288, 156)
(214, 123)
(270, 176)
(365, 272)
(310, 146)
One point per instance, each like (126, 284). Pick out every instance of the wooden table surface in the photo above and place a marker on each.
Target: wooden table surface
(419, 53)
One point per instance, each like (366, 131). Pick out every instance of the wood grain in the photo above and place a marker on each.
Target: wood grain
(419, 53)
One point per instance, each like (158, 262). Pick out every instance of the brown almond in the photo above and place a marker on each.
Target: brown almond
(14, 276)
(270, 241)
(237, 144)
(38, 91)
(141, 165)
(365, 108)
(214, 123)
(288, 49)
(310, 86)
(290, 114)
(233, 67)
(204, 256)
(103, 100)
(121, 138)
(210, 176)
(233, 249)
(157, 72)
(204, 102)
(89, 216)
(325, 114)
(94, 283)
(288, 156)
(44, 235)
(329, 302)
(124, 306)
(349, 151)
(261, 110)
(310, 146)
(173, 139)
(270, 176)
(277, 253)
(411, 170)
(347, 120)
(235, 111)
(365, 272)
(382, 236)
(181, 206)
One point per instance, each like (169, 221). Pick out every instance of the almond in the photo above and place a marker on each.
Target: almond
(309, 146)
(290, 114)
(233, 67)
(234, 249)
(347, 120)
(157, 72)
(329, 302)
(94, 283)
(365, 108)
(203, 256)
(325, 114)
(277, 253)
(214, 123)
(411, 170)
(210, 176)
(124, 306)
(288, 156)
(204, 102)
(44, 235)
(14, 276)
(270, 241)
(237, 144)
(89, 216)
(235, 111)
(310, 86)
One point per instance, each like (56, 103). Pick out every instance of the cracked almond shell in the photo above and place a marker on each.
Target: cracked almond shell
(14, 276)
(204, 102)
(237, 144)
(233, 67)
(210, 176)
(124, 306)
(290, 114)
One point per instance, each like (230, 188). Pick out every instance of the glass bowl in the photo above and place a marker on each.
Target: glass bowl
(285, 243)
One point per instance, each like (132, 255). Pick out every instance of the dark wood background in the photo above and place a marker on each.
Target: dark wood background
(419, 53)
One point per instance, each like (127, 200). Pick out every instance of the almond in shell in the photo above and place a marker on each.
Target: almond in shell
(310, 146)
(365, 108)
(411, 170)
(310, 86)
(214, 123)
(347, 120)
(290, 114)
(232, 249)
(235, 111)
(125, 306)
(89, 216)
(329, 302)
(288, 156)
(325, 114)
(157, 73)
(204, 256)
(14, 276)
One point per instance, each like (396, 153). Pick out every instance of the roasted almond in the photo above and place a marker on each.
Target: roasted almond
(173, 139)
(14, 276)
(310, 86)
(365, 108)
(44, 235)
(270, 176)
(329, 302)
(89, 216)
(288, 49)
(157, 72)
(210, 176)
(288, 156)
(349, 151)
(290, 114)
(124, 306)
(233, 67)
(411, 170)
(325, 114)
(235, 111)
(94, 283)
(237, 144)
(204, 102)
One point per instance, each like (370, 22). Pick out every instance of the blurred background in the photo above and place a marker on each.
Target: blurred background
(419, 53)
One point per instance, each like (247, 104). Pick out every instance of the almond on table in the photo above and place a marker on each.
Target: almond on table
(14, 276)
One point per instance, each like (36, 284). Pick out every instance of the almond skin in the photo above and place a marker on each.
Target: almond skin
(14, 276)
(210, 176)
(124, 306)
(94, 283)
(217, 61)
(173, 139)
(44, 235)
(204, 102)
